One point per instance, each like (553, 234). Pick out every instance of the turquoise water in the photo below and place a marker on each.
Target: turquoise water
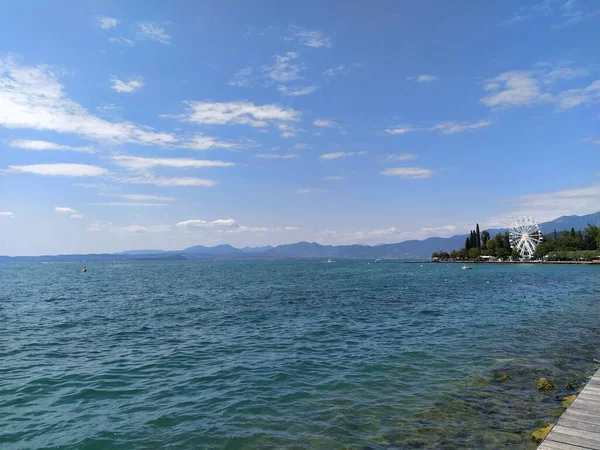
(289, 354)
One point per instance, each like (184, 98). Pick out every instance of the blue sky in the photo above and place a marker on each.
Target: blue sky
(131, 125)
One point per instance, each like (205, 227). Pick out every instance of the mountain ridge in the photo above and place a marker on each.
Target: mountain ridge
(410, 249)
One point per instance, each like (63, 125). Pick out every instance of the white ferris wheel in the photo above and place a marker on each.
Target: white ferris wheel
(525, 236)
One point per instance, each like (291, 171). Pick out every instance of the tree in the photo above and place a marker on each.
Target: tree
(573, 232)
(478, 236)
(453, 254)
(435, 255)
(467, 244)
(485, 237)
(444, 256)
(555, 238)
(507, 241)
(474, 253)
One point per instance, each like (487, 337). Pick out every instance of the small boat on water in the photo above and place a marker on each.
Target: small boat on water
(466, 267)
(377, 261)
(84, 269)
(329, 260)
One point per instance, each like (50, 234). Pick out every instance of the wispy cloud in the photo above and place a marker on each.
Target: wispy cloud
(120, 40)
(7, 214)
(337, 70)
(288, 131)
(170, 181)
(64, 210)
(324, 123)
(561, 13)
(141, 164)
(130, 204)
(530, 88)
(60, 169)
(291, 92)
(145, 229)
(239, 113)
(337, 155)
(127, 86)
(241, 78)
(310, 38)
(309, 190)
(333, 178)
(449, 127)
(283, 69)
(425, 78)
(76, 216)
(106, 23)
(146, 197)
(45, 145)
(276, 155)
(400, 157)
(202, 142)
(153, 32)
(33, 98)
(407, 172)
(199, 223)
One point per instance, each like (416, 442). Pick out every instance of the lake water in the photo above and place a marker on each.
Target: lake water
(289, 354)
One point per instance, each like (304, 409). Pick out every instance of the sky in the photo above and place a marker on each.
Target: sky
(162, 125)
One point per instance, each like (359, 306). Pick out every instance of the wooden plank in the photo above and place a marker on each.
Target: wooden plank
(579, 426)
(573, 440)
(549, 445)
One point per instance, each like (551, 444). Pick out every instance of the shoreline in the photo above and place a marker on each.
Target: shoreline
(595, 262)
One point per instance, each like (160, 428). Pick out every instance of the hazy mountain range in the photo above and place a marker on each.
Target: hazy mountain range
(413, 249)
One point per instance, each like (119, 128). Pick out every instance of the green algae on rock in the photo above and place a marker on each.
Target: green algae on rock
(545, 385)
(568, 400)
(539, 434)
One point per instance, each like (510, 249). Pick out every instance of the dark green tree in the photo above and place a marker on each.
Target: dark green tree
(467, 244)
(573, 233)
(478, 236)
(485, 237)
(507, 241)
(555, 238)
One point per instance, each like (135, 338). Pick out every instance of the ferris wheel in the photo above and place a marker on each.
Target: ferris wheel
(525, 236)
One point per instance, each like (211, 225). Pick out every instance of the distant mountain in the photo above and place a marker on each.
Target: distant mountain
(413, 249)
(224, 249)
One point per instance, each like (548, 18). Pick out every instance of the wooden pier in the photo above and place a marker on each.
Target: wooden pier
(579, 426)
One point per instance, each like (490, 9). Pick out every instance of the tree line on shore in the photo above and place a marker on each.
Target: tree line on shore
(556, 246)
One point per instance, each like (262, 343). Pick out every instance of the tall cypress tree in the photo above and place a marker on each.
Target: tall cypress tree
(555, 237)
(572, 232)
(478, 237)
(467, 244)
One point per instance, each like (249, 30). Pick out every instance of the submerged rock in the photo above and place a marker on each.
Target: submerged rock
(569, 385)
(503, 377)
(539, 434)
(568, 400)
(545, 385)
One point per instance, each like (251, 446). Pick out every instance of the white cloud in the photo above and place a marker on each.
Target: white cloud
(568, 14)
(153, 32)
(516, 88)
(145, 229)
(407, 172)
(309, 190)
(333, 178)
(106, 23)
(337, 155)
(131, 85)
(198, 223)
(527, 88)
(170, 181)
(283, 70)
(401, 157)
(31, 97)
(287, 130)
(64, 209)
(129, 204)
(201, 142)
(325, 123)
(550, 205)
(99, 226)
(141, 164)
(60, 169)
(425, 78)
(337, 70)
(242, 113)
(453, 127)
(246, 229)
(45, 145)
(311, 38)
(241, 78)
(76, 216)
(275, 156)
(160, 198)
(306, 90)
(444, 127)
(301, 145)
(7, 214)
(120, 40)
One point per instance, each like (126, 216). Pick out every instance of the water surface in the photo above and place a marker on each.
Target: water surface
(289, 354)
